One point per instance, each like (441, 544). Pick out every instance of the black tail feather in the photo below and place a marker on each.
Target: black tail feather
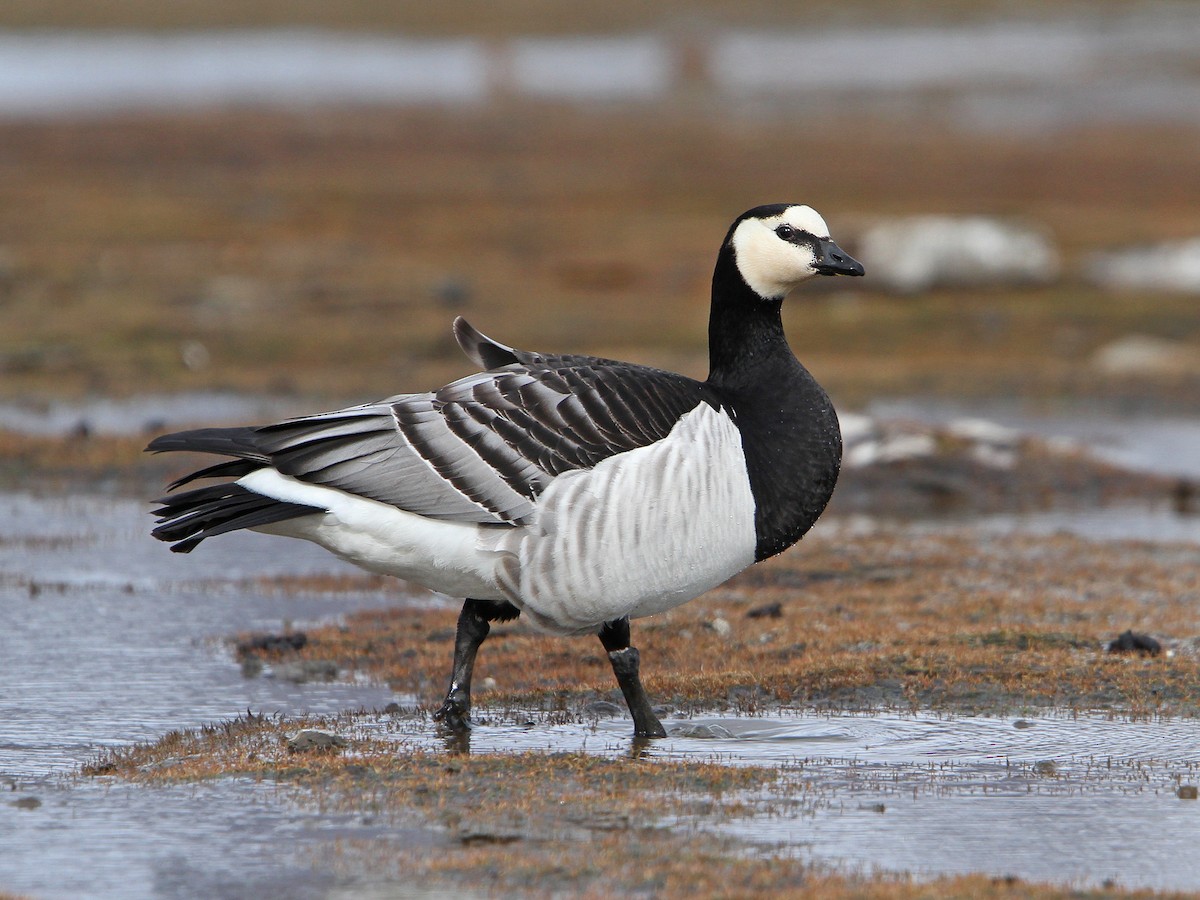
(240, 442)
(233, 468)
(187, 519)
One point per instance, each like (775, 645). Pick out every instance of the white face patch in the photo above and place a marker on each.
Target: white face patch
(768, 263)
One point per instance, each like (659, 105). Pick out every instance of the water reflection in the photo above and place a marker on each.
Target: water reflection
(1131, 67)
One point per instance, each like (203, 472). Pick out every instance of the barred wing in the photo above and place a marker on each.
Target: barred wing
(480, 449)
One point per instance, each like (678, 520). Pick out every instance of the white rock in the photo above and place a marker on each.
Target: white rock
(1139, 354)
(1172, 266)
(902, 447)
(314, 739)
(916, 253)
(721, 627)
(984, 431)
(994, 457)
(863, 454)
(856, 428)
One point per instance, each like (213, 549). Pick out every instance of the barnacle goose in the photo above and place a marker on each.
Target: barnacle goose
(576, 491)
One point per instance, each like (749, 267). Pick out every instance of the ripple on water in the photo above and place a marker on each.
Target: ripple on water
(883, 738)
(1064, 798)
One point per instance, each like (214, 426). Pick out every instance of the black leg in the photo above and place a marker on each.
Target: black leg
(472, 629)
(625, 662)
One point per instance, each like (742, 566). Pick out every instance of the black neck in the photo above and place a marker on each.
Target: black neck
(745, 331)
(790, 435)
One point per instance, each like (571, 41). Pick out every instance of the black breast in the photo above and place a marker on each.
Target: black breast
(793, 448)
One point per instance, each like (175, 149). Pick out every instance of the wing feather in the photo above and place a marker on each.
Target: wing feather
(481, 449)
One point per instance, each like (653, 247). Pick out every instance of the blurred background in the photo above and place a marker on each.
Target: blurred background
(294, 199)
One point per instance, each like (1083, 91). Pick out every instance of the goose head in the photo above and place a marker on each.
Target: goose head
(777, 247)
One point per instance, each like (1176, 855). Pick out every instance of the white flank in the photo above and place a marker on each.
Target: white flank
(642, 532)
(769, 264)
(442, 555)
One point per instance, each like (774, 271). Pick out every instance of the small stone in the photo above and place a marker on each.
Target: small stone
(1132, 642)
(1140, 354)
(475, 836)
(195, 356)
(1188, 792)
(305, 670)
(984, 431)
(488, 684)
(903, 447)
(1023, 723)
(308, 739)
(273, 643)
(602, 709)
(1047, 767)
(769, 611)
(34, 802)
(721, 627)
(793, 651)
(703, 731)
(857, 429)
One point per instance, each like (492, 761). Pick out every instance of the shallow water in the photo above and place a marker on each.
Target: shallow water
(935, 795)
(144, 414)
(231, 838)
(107, 638)
(1164, 445)
(1034, 74)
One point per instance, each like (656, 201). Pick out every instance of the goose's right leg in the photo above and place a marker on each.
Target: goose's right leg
(626, 664)
(473, 628)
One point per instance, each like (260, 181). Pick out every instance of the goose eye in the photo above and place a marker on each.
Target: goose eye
(786, 232)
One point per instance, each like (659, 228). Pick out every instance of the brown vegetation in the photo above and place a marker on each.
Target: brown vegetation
(539, 824)
(946, 621)
(326, 252)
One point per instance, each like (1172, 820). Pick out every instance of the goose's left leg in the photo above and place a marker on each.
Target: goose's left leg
(626, 661)
(473, 628)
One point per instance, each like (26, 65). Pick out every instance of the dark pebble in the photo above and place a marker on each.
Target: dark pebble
(475, 838)
(769, 611)
(274, 643)
(1131, 642)
(793, 651)
(602, 709)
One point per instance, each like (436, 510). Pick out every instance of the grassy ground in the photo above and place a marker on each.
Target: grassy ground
(508, 18)
(946, 621)
(326, 253)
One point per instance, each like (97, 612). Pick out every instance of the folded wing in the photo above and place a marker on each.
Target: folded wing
(481, 449)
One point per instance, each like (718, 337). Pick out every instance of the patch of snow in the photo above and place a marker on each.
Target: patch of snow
(916, 253)
(1171, 266)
